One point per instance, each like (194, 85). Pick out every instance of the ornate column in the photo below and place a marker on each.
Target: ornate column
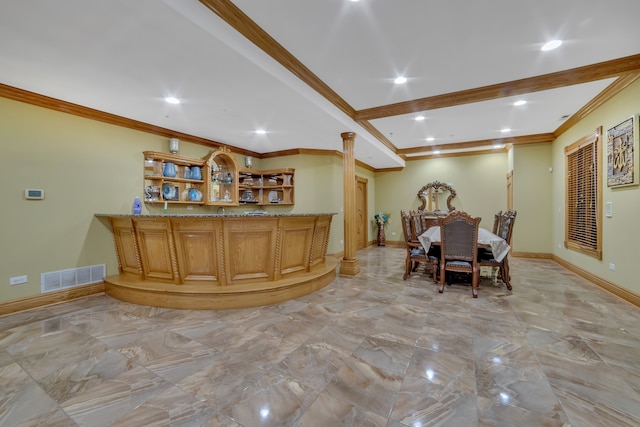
(349, 266)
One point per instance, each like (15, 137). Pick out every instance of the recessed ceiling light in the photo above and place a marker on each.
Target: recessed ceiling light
(419, 118)
(400, 80)
(519, 102)
(430, 139)
(261, 131)
(172, 100)
(551, 45)
(505, 130)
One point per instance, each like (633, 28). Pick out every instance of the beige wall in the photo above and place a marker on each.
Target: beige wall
(318, 189)
(620, 233)
(84, 167)
(531, 198)
(88, 167)
(479, 181)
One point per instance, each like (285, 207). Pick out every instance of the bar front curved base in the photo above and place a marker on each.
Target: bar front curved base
(202, 297)
(218, 262)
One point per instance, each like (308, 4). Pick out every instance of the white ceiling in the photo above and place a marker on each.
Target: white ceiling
(123, 57)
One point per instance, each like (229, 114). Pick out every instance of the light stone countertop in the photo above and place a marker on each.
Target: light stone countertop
(231, 214)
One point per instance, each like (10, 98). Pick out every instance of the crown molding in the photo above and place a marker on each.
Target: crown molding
(610, 91)
(540, 138)
(43, 101)
(573, 76)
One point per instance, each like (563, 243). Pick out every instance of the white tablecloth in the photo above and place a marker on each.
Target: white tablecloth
(498, 245)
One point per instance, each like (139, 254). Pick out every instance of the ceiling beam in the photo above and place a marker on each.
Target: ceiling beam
(459, 154)
(539, 138)
(233, 16)
(378, 135)
(236, 18)
(588, 73)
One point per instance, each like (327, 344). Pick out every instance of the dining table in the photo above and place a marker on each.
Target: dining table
(486, 239)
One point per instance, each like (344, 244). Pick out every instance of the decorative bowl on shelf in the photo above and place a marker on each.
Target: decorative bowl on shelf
(169, 191)
(247, 196)
(195, 195)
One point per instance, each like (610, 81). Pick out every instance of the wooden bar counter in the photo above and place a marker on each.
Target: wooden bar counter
(219, 261)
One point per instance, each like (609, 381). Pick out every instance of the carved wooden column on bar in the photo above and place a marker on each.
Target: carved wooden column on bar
(349, 266)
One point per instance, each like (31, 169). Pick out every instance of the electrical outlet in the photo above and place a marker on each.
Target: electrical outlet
(17, 280)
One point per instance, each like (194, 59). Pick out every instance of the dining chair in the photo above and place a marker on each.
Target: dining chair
(459, 247)
(496, 222)
(505, 231)
(486, 252)
(415, 251)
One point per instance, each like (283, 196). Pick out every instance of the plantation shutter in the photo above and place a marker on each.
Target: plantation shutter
(583, 196)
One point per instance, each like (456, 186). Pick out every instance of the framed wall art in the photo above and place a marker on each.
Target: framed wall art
(621, 154)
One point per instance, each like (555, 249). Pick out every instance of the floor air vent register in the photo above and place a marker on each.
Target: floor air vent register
(72, 277)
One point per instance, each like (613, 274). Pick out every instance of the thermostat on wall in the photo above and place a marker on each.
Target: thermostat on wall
(33, 194)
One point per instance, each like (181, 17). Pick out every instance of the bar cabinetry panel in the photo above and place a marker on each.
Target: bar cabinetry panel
(219, 261)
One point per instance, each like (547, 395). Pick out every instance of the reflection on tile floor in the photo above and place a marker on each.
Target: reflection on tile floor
(373, 350)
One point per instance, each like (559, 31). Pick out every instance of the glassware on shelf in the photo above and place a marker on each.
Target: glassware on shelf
(215, 174)
(152, 168)
(152, 193)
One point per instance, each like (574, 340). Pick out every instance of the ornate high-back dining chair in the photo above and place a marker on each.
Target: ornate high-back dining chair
(505, 231)
(415, 251)
(496, 222)
(421, 221)
(459, 247)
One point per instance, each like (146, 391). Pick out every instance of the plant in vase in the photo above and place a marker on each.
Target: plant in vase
(381, 220)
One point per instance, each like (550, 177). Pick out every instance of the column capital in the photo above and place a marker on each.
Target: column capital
(348, 135)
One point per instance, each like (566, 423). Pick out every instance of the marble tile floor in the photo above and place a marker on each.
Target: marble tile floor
(373, 350)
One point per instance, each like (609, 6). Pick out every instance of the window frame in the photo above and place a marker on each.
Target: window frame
(591, 245)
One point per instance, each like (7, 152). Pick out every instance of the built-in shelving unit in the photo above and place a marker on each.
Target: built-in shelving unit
(266, 187)
(214, 180)
(222, 179)
(173, 178)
